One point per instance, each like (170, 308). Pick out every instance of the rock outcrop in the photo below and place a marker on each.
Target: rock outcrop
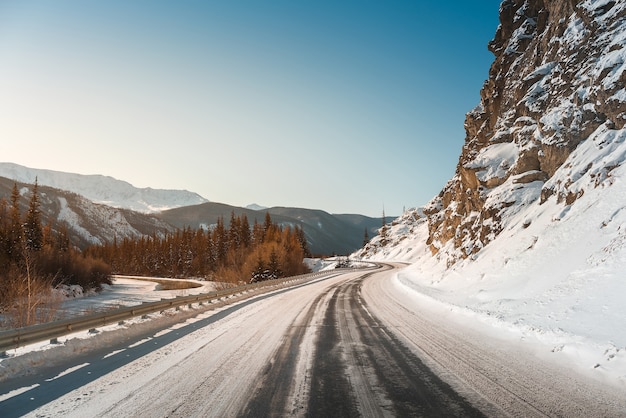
(558, 77)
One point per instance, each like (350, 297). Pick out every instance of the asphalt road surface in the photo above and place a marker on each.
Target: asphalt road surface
(347, 345)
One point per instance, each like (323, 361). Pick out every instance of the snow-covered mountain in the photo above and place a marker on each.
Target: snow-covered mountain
(254, 206)
(86, 222)
(529, 235)
(122, 211)
(104, 189)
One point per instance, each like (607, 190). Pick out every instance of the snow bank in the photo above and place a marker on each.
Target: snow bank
(554, 276)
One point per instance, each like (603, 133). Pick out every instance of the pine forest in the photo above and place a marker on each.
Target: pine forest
(37, 260)
(232, 254)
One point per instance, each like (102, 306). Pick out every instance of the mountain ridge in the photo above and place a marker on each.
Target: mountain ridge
(104, 189)
(326, 233)
(87, 223)
(95, 222)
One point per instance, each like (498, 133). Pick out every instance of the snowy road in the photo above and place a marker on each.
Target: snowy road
(348, 345)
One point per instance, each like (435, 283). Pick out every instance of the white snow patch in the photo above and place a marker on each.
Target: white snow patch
(495, 160)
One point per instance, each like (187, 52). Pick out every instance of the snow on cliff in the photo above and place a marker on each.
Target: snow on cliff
(104, 189)
(530, 233)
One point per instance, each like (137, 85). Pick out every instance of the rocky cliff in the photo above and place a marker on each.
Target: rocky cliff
(529, 236)
(557, 80)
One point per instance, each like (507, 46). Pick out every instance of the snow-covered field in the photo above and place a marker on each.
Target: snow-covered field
(127, 291)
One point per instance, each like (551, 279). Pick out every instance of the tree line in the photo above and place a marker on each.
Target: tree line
(232, 253)
(35, 258)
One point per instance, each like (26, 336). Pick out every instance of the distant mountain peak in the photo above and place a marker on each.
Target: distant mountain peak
(254, 206)
(104, 189)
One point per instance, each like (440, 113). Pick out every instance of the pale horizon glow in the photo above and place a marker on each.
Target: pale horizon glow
(347, 107)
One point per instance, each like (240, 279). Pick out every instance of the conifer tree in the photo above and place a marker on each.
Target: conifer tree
(383, 231)
(221, 241)
(234, 231)
(257, 233)
(4, 228)
(260, 272)
(268, 222)
(274, 265)
(33, 230)
(14, 233)
(245, 234)
(303, 242)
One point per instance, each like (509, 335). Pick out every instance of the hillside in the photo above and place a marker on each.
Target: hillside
(103, 189)
(529, 234)
(90, 222)
(86, 222)
(326, 233)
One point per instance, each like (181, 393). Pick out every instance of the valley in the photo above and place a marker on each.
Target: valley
(94, 218)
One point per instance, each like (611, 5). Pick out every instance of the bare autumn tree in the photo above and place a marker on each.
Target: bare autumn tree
(34, 259)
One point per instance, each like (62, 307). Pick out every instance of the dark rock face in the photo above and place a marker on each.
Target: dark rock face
(558, 76)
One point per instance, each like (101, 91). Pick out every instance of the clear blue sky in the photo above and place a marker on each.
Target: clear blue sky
(344, 106)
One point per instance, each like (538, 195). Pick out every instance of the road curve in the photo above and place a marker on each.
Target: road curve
(356, 369)
(497, 376)
(347, 345)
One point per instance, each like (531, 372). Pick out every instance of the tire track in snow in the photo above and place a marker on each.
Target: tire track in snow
(499, 379)
(411, 386)
(74, 394)
(360, 369)
(330, 392)
(280, 381)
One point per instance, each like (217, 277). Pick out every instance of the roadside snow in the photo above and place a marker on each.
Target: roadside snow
(554, 276)
(127, 291)
(213, 356)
